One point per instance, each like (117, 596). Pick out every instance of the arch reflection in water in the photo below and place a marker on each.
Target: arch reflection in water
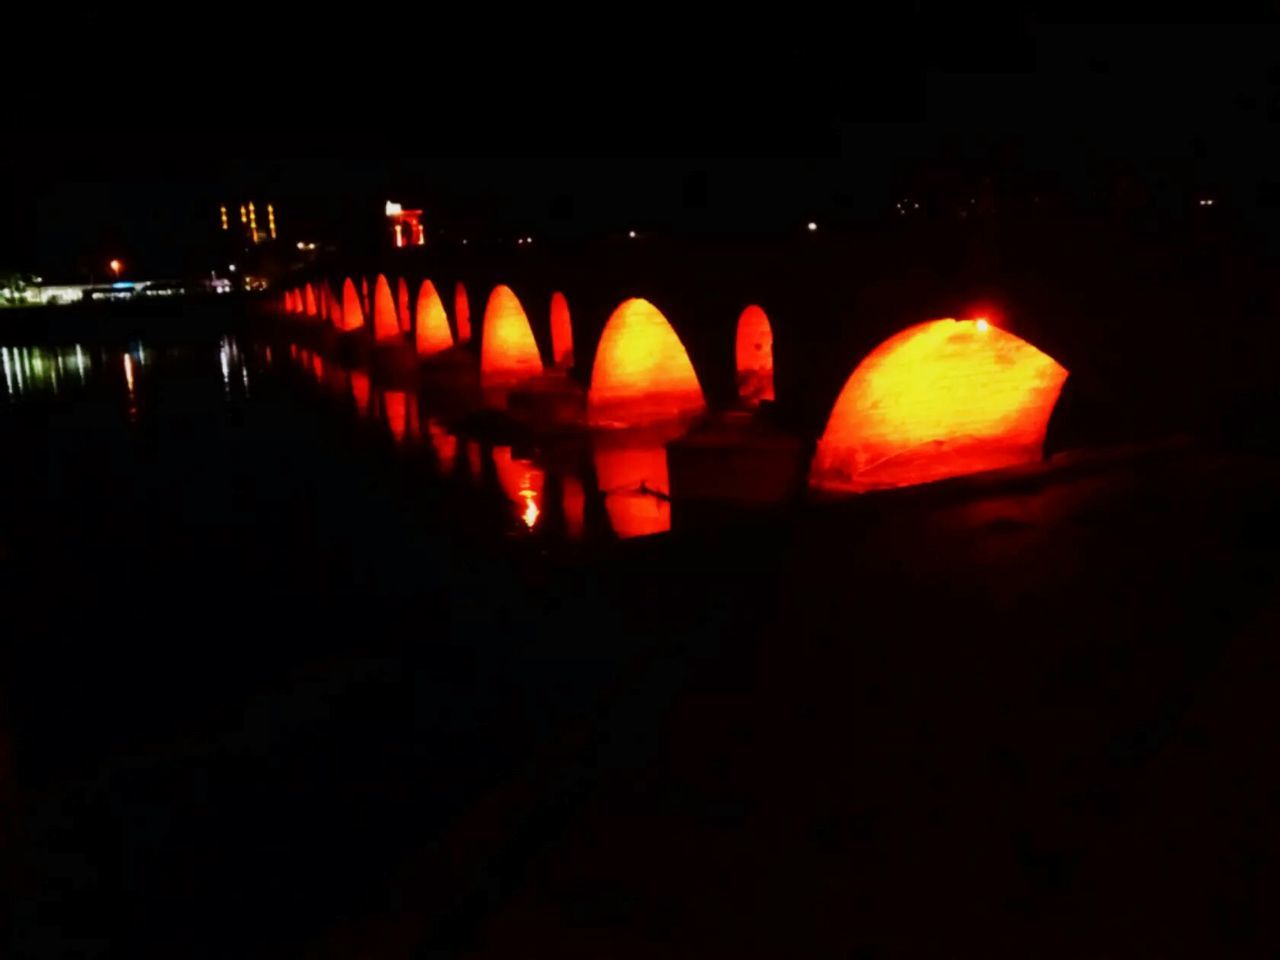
(632, 476)
(386, 326)
(445, 445)
(396, 408)
(360, 390)
(462, 312)
(754, 354)
(522, 481)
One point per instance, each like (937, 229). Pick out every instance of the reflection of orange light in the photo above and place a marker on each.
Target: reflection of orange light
(937, 400)
(360, 390)
(508, 351)
(385, 324)
(317, 367)
(431, 328)
(755, 356)
(642, 373)
(445, 444)
(522, 481)
(561, 331)
(402, 306)
(352, 315)
(288, 301)
(633, 480)
(462, 312)
(395, 404)
(310, 295)
(574, 501)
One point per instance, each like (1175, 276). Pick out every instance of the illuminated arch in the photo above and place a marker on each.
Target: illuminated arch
(508, 351)
(939, 399)
(309, 295)
(352, 315)
(462, 312)
(754, 353)
(360, 389)
(561, 331)
(288, 301)
(431, 325)
(402, 306)
(642, 373)
(385, 324)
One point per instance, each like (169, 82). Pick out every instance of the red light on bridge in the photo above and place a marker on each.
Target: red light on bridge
(754, 351)
(431, 328)
(937, 400)
(310, 295)
(508, 352)
(642, 372)
(561, 332)
(385, 324)
(360, 390)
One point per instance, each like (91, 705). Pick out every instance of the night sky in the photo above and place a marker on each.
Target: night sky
(127, 142)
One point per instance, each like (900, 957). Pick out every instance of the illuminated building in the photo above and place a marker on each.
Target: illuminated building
(249, 221)
(406, 226)
(431, 325)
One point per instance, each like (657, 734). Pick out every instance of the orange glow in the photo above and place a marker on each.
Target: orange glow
(431, 327)
(116, 266)
(317, 366)
(310, 295)
(939, 399)
(395, 404)
(522, 482)
(385, 324)
(360, 390)
(755, 356)
(642, 373)
(633, 481)
(445, 444)
(462, 312)
(402, 306)
(574, 501)
(352, 315)
(508, 351)
(288, 301)
(561, 331)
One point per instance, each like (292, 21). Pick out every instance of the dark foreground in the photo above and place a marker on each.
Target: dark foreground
(272, 688)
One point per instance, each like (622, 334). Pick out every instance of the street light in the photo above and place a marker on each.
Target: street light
(116, 266)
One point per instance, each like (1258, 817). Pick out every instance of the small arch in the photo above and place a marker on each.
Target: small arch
(508, 351)
(352, 314)
(462, 312)
(431, 325)
(403, 312)
(561, 332)
(642, 373)
(754, 353)
(385, 324)
(940, 399)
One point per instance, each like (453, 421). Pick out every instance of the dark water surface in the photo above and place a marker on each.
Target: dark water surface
(294, 668)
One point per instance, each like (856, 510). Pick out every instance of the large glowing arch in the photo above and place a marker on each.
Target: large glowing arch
(462, 312)
(508, 352)
(939, 399)
(561, 332)
(403, 313)
(642, 372)
(754, 354)
(352, 315)
(386, 326)
(431, 326)
(309, 294)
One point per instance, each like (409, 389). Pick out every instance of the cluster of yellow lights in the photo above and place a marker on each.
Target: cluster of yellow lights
(222, 211)
(271, 220)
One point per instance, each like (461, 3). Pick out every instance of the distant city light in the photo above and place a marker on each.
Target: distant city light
(222, 212)
(1206, 202)
(271, 220)
(528, 239)
(520, 242)
(304, 245)
(116, 266)
(464, 241)
(231, 267)
(982, 325)
(812, 226)
(631, 234)
(394, 209)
